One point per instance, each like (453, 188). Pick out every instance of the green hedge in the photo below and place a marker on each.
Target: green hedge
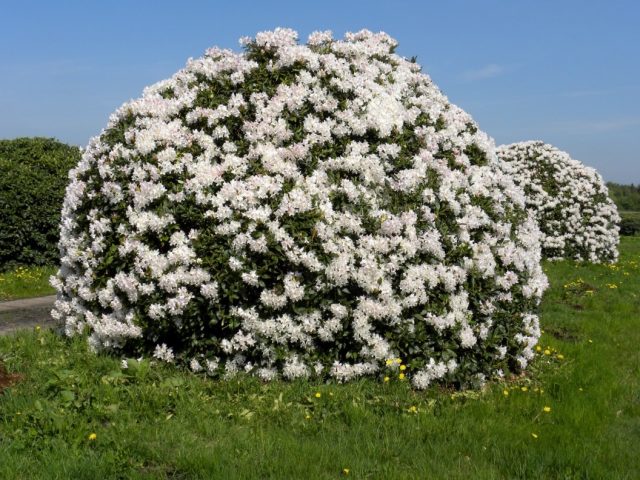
(627, 197)
(630, 223)
(33, 178)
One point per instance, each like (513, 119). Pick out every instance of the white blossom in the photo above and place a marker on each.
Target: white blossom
(164, 353)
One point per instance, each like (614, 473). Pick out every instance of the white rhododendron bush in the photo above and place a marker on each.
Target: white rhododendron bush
(314, 210)
(571, 202)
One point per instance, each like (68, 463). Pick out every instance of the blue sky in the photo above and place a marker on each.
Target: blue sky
(566, 72)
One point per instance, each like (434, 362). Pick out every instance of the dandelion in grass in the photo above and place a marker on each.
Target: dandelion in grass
(547, 409)
(92, 437)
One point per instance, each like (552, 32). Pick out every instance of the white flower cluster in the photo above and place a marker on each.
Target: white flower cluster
(301, 210)
(571, 202)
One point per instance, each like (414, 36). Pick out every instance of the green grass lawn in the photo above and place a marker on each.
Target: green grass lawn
(25, 282)
(160, 422)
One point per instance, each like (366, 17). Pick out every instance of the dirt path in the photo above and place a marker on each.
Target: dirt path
(26, 313)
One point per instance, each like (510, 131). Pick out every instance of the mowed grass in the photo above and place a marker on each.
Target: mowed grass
(160, 422)
(26, 282)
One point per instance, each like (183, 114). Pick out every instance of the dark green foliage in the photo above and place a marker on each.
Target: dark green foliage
(627, 197)
(33, 178)
(630, 223)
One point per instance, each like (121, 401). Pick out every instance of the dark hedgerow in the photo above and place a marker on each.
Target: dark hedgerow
(630, 223)
(33, 178)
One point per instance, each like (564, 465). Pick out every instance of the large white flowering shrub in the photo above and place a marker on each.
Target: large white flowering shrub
(301, 210)
(571, 202)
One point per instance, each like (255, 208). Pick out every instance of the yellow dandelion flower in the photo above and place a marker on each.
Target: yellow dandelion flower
(538, 348)
(307, 416)
(398, 361)
(413, 409)
(560, 356)
(318, 394)
(92, 436)
(345, 471)
(534, 435)
(547, 409)
(389, 362)
(401, 376)
(505, 392)
(403, 368)
(386, 379)
(547, 352)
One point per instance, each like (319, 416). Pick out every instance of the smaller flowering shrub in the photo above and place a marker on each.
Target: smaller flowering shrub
(577, 217)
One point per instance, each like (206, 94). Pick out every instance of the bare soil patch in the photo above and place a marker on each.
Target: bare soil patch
(7, 379)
